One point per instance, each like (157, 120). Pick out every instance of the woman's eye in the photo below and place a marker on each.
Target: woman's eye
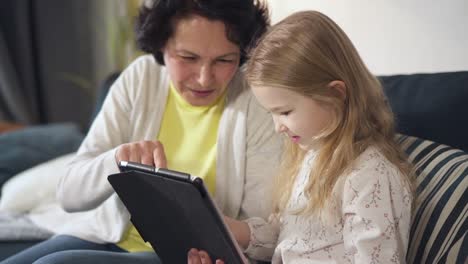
(225, 61)
(286, 112)
(188, 58)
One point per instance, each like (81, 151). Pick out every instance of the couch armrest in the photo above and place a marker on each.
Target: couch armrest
(8, 127)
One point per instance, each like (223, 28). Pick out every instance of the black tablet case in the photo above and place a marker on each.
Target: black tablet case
(174, 215)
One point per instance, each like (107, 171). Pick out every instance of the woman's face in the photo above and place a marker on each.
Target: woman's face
(200, 59)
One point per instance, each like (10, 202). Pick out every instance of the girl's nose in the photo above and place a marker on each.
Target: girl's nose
(280, 128)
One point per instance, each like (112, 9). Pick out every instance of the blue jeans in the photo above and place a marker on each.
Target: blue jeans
(68, 249)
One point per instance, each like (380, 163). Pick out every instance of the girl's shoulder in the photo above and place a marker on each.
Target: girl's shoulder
(370, 157)
(373, 167)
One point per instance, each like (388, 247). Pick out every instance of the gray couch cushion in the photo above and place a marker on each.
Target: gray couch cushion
(431, 106)
(22, 149)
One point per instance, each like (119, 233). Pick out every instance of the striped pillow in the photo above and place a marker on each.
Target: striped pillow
(439, 227)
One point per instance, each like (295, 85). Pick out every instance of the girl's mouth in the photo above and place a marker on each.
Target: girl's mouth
(295, 139)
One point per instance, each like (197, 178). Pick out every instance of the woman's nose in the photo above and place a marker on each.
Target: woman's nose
(205, 76)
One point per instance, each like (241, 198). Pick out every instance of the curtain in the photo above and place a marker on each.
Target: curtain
(19, 91)
(53, 56)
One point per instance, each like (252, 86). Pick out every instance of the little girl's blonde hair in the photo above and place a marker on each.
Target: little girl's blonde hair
(304, 53)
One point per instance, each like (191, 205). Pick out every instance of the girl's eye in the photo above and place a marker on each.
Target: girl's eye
(285, 113)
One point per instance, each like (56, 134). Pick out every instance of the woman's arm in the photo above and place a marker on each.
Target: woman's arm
(85, 184)
(263, 151)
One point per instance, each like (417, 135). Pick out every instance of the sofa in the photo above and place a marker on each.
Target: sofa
(431, 116)
(30, 154)
(431, 108)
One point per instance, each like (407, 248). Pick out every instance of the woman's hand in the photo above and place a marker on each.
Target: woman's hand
(144, 152)
(195, 256)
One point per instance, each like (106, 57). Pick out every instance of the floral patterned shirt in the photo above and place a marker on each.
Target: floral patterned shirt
(368, 219)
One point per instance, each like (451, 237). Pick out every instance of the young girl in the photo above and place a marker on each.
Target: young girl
(343, 194)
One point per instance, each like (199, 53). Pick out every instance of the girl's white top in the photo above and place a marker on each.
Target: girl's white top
(368, 220)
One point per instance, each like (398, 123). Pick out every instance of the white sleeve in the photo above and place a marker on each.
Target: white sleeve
(85, 184)
(376, 218)
(263, 238)
(263, 152)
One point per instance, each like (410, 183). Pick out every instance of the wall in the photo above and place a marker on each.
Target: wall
(397, 36)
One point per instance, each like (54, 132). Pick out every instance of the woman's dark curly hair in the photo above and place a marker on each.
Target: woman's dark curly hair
(245, 21)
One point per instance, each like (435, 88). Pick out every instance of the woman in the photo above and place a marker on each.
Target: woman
(185, 107)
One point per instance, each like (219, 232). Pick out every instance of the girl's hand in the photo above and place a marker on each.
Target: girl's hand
(195, 256)
(145, 152)
(240, 230)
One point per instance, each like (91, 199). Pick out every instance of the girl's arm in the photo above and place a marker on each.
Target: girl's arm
(240, 230)
(256, 236)
(376, 216)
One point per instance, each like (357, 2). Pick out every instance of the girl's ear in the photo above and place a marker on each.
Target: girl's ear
(339, 87)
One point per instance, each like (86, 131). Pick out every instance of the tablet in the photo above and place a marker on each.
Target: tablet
(174, 212)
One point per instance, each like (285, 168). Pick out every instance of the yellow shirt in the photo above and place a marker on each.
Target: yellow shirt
(189, 135)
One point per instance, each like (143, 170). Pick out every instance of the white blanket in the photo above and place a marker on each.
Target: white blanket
(28, 207)
(15, 227)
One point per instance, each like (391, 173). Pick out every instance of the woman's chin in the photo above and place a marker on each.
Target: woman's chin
(200, 101)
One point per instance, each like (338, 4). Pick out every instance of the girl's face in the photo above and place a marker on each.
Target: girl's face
(200, 59)
(299, 117)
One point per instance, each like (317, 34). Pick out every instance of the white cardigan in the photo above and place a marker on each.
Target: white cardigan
(247, 153)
